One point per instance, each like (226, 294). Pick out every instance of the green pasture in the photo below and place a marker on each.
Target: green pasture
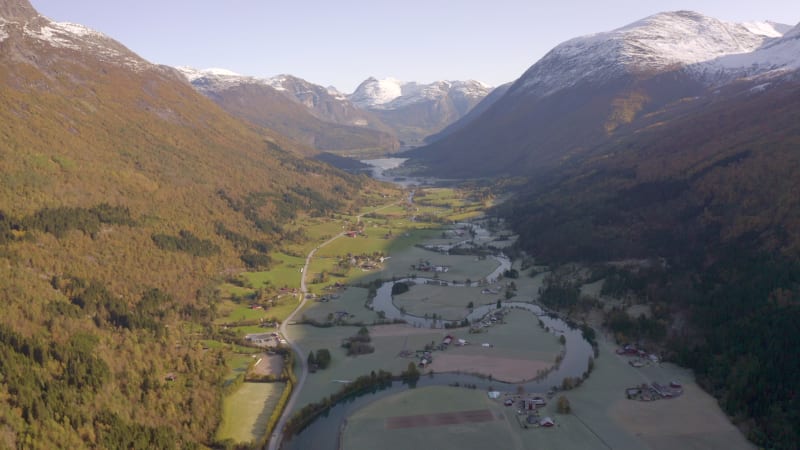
(284, 273)
(448, 302)
(461, 267)
(238, 364)
(350, 300)
(246, 412)
(347, 368)
(519, 337)
(230, 311)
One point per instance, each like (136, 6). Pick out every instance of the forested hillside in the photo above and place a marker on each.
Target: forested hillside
(716, 195)
(125, 198)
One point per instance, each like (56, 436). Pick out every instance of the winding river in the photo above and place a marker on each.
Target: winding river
(323, 433)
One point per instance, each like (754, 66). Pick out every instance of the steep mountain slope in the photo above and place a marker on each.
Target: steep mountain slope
(496, 94)
(125, 197)
(713, 189)
(708, 186)
(415, 110)
(307, 113)
(587, 88)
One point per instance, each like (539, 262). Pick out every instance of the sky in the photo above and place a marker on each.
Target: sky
(341, 43)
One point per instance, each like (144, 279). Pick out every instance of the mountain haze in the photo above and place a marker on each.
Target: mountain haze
(416, 110)
(308, 113)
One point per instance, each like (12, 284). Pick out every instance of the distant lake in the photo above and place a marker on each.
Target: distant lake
(382, 165)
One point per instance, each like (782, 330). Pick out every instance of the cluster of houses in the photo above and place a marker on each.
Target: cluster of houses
(327, 298)
(426, 356)
(528, 407)
(364, 262)
(264, 339)
(488, 320)
(641, 355)
(426, 266)
(654, 391)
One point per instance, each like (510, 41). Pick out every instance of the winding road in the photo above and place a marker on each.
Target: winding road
(277, 435)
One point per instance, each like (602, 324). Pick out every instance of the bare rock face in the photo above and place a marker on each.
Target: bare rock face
(17, 10)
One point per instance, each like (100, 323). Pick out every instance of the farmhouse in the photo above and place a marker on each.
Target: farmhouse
(547, 422)
(258, 338)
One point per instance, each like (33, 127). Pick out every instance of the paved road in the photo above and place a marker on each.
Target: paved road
(277, 435)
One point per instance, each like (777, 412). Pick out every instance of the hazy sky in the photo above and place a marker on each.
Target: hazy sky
(342, 42)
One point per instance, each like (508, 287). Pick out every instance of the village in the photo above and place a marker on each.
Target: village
(468, 315)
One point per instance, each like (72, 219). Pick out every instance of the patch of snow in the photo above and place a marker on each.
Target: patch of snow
(53, 35)
(335, 93)
(777, 55)
(77, 29)
(3, 34)
(767, 29)
(221, 72)
(215, 78)
(80, 38)
(277, 82)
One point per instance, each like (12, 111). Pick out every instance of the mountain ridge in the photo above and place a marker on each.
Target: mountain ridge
(308, 113)
(417, 110)
(595, 85)
(126, 198)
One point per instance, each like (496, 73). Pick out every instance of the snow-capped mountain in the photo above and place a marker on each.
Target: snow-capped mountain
(374, 93)
(775, 57)
(657, 43)
(417, 110)
(325, 103)
(390, 93)
(319, 117)
(19, 19)
(591, 88)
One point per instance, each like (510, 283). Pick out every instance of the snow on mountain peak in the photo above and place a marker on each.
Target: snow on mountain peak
(193, 74)
(375, 93)
(73, 36)
(390, 93)
(221, 72)
(655, 43)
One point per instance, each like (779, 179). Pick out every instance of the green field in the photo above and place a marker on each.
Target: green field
(350, 300)
(246, 411)
(238, 364)
(343, 367)
(285, 273)
(448, 302)
(462, 267)
(601, 417)
(232, 312)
